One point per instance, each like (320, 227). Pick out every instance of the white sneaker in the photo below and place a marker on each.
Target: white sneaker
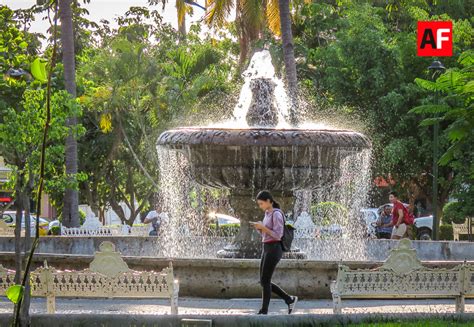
(292, 305)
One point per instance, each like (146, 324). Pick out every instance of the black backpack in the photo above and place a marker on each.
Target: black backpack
(288, 234)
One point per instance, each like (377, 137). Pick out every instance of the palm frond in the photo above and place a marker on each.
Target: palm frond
(427, 85)
(430, 121)
(273, 17)
(253, 16)
(181, 11)
(449, 154)
(430, 109)
(218, 11)
(467, 58)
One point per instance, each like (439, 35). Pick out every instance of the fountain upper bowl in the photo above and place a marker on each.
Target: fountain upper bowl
(263, 137)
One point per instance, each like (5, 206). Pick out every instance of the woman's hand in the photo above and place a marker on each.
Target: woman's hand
(258, 225)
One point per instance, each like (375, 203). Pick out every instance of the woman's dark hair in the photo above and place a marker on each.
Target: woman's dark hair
(395, 194)
(267, 196)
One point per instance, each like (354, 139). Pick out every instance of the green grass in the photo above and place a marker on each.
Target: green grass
(429, 323)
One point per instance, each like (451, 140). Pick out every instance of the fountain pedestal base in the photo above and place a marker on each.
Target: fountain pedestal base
(248, 242)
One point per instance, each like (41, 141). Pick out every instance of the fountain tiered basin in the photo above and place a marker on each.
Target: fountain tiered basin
(246, 161)
(280, 160)
(262, 152)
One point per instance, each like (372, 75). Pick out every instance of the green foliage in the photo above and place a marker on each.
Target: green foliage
(446, 232)
(55, 230)
(225, 230)
(361, 61)
(326, 213)
(453, 213)
(132, 89)
(457, 87)
(38, 70)
(14, 293)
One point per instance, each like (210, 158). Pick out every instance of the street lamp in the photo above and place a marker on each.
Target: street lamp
(437, 67)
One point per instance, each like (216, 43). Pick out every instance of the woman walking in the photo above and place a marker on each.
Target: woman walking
(271, 229)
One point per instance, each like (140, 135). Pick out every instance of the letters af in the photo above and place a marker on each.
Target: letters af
(435, 39)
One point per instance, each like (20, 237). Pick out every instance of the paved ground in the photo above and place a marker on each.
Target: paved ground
(195, 306)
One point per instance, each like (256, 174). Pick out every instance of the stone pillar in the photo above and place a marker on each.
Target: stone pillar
(248, 242)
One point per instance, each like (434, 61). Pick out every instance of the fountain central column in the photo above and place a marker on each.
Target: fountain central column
(248, 242)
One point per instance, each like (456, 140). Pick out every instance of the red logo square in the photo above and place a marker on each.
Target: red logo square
(435, 39)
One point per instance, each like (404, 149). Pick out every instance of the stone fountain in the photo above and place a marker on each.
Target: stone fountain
(261, 151)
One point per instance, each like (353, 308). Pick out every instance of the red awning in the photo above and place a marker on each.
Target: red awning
(382, 182)
(7, 199)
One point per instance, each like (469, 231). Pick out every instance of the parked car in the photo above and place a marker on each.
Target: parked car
(424, 228)
(10, 218)
(223, 220)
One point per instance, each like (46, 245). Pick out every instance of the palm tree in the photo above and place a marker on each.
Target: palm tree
(70, 211)
(289, 58)
(251, 16)
(182, 8)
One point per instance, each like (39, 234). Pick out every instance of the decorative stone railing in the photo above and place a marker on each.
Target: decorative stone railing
(134, 230)
(403, 276)
(105, 231)
(461, 229)
(108, 276)
(80, 231)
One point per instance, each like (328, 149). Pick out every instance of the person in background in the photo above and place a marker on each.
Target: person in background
(384, 223)
(399, 213)
(156, 218)
(271, 229)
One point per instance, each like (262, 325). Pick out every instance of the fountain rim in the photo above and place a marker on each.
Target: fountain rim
(263, 136)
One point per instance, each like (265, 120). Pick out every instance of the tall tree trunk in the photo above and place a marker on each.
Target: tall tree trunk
(18, 219)
(243, 37)
(182, 27)
(70, 212)
(25, 303)
(289, 59)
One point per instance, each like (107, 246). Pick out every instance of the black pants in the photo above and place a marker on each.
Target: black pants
(272, 253)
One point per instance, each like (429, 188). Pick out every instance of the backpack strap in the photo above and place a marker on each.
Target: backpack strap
(282, 214)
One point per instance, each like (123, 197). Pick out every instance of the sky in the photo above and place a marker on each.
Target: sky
(107, 9)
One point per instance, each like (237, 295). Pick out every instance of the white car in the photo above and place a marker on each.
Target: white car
(10, 218)
(226, 219)
(424, 228)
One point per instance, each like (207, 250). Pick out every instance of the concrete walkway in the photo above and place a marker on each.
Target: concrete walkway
(196, 306)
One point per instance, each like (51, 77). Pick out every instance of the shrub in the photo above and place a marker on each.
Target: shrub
(326, 213)
(446, 232)
(56, 230)
(224, 230)
(453, 213)
(82, 217)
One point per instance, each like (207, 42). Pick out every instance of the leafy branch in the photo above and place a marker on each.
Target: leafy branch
(16, 292)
